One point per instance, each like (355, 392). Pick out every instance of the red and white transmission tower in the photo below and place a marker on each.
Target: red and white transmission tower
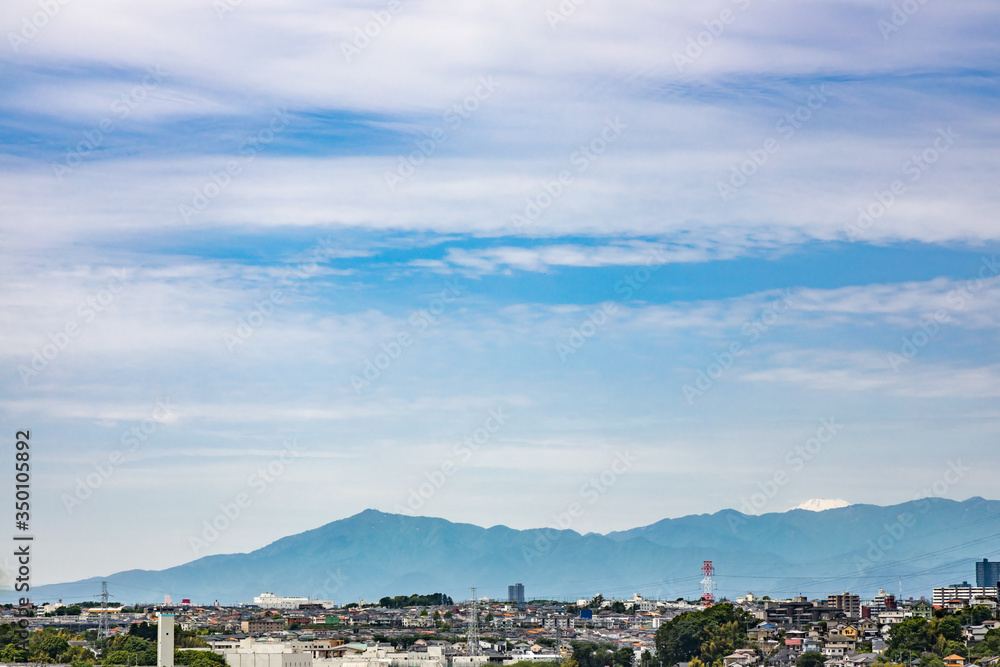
(708, 584)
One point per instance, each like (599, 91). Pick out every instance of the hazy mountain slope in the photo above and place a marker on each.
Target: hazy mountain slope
(858, 548)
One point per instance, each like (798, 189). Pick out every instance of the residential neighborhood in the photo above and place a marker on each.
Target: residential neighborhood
(958, 626)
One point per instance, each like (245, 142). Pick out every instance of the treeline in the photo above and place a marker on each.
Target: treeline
(136, 647)
(415, 600)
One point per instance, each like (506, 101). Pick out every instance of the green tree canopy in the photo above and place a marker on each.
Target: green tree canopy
(810, 659)
(709, 635)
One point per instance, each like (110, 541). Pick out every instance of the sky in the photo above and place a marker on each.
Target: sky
(268, 264)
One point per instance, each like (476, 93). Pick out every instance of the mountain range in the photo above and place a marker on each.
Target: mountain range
(911, 547)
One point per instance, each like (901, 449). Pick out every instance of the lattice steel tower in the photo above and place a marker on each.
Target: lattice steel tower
(708, 584)
(103, 626)
(473, 641)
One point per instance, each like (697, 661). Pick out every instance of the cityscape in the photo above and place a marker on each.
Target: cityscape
(956, 626)
(513, 333)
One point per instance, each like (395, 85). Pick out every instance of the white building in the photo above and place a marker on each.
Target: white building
(266, 658)
(375, 656)
(946, 594)
(272, 601)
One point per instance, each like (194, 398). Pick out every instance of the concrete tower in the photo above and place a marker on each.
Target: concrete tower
(165, 640)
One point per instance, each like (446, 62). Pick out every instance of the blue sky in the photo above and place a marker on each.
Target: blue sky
(617, 241)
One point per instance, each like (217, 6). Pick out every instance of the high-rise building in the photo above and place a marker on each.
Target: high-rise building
(987, 573)
(165, 640)
(515, 593)
(847, 603)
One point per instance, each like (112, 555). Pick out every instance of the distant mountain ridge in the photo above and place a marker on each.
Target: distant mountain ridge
(860, 548)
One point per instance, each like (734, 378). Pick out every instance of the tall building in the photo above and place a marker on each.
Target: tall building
(515, 593)
(964, 592)
(847, 603)
(987, 573)
(165, 640)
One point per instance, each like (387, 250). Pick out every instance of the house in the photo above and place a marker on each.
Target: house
(851, 642)
(923, 609)
(869, 628)
(763, 631)
(851, 631)
(837, 649)
(954, 661)
(740, 658)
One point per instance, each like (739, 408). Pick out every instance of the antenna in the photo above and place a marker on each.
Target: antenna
(473, 639)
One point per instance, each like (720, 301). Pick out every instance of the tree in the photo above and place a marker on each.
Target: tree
(198, 659)
(596, 602)
(12, 653)
(143, 630)
(47, 645)
(950, 628)
(709, 634)
(990, 644)
(912, 635)
(810, 659)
